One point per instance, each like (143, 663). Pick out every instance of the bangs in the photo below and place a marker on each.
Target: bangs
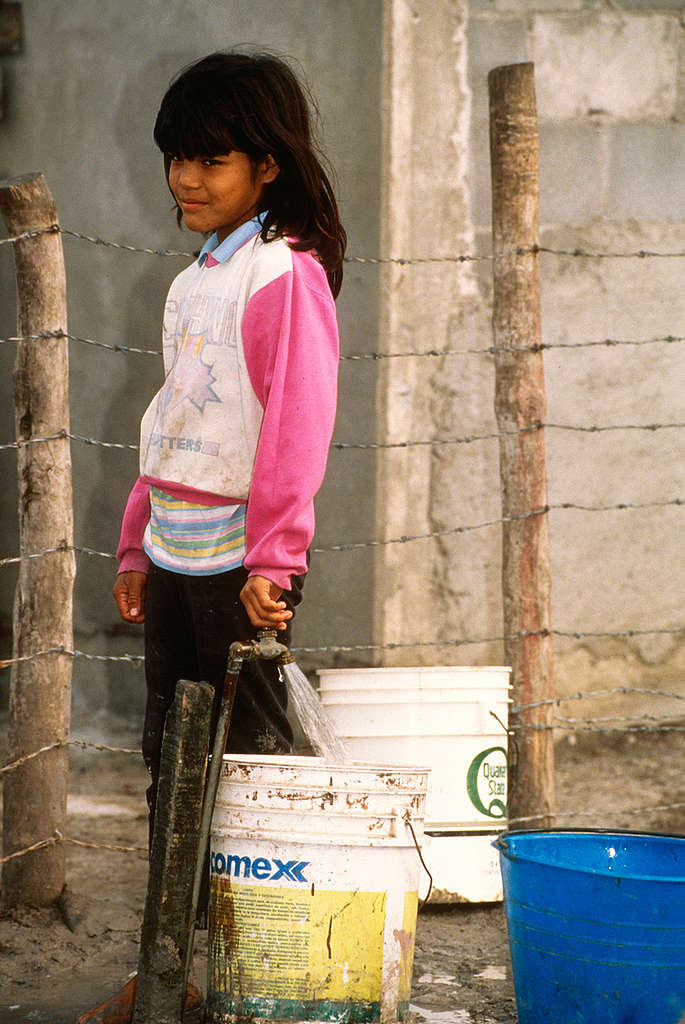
(191, 124)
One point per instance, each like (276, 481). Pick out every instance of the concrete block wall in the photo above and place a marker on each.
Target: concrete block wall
(611, 111)
(81, 99)
(611, 99)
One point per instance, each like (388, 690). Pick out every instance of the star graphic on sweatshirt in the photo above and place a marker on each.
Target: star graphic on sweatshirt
(190, 377)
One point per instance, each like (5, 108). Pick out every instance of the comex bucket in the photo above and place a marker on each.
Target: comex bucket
(596, 924)
(313, 889)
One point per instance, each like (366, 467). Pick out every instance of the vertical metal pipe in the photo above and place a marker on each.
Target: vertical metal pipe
(265, 647)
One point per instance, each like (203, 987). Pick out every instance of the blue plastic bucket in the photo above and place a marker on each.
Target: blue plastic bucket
(596, 925)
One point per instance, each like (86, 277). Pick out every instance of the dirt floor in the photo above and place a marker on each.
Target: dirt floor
(49, 972)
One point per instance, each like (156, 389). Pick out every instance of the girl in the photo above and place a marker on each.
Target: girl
(233, 446)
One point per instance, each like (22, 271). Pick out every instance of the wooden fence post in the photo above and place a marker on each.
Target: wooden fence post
(35, 793)
(167, 924)
(520, 407)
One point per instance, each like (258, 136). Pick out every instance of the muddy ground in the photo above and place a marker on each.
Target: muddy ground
(49, 973)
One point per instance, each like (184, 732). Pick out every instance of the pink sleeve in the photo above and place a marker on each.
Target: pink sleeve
(290, 340)
(130, 552)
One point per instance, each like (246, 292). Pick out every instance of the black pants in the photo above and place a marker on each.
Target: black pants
(190, 623)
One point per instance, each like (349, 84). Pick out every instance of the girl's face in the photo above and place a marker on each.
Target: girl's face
(219, 193)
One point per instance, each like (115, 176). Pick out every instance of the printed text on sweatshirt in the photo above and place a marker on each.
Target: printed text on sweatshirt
(247, 407)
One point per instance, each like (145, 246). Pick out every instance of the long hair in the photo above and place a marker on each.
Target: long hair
(254, 103)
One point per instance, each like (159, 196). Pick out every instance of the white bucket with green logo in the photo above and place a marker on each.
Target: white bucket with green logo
(454, 719)
(314, 877)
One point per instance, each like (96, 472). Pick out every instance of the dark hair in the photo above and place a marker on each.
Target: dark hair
(255, 104)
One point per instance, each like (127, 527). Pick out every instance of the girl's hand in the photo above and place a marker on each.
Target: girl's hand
(260, 597)
(129, 594)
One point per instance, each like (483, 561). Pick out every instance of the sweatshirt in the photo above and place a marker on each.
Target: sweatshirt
(247, 407)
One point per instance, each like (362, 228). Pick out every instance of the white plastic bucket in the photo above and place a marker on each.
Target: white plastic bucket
(314, 878)
(453, 719)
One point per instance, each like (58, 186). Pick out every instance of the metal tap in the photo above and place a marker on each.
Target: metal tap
(265, 646)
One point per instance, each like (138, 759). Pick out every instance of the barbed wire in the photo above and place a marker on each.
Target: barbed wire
(506, 638)
(138, 659)
(563, 506)
(19, 659)
(592, 728)
(514, 710)
(577, 251)
(558, 815)
(82, 744)
(53, 229)
(580, 695)
(64, 434)
(517, 517)
(103, 747)
(60, 435)
(575, 724)
(585, 694)
(58, 837)
(629, 720)
(105, 846)
(135, 659)
(59, 548)
(519, 250)
(48, 335)
(616, 812)
(497, 434)
(18, 762)
(487, 350)
(648, 723)
(57, 229)
(492, 350)
(16, 559)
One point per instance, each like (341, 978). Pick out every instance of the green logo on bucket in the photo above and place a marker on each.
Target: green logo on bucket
(486, 782)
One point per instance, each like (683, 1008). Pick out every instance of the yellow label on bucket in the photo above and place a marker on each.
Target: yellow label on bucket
(274, 943)
(405, 938)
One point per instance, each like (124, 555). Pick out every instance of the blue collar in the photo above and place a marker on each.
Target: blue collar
(224, 251)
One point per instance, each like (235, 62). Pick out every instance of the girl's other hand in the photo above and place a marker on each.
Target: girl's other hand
(129, 594)
(260, 597)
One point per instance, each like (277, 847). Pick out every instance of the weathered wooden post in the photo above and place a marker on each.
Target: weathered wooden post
(35, 793)
(167, 924)
(520, 407)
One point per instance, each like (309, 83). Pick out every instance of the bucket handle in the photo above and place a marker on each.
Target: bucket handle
(406, 817)
(511, 768)
(501, 844)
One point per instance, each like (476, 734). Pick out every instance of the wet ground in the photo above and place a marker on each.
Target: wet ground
(49, 973)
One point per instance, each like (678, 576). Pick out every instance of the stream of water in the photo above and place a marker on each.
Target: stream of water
(316, 724)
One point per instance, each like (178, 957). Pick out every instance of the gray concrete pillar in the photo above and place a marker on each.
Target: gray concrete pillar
(422, 587)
